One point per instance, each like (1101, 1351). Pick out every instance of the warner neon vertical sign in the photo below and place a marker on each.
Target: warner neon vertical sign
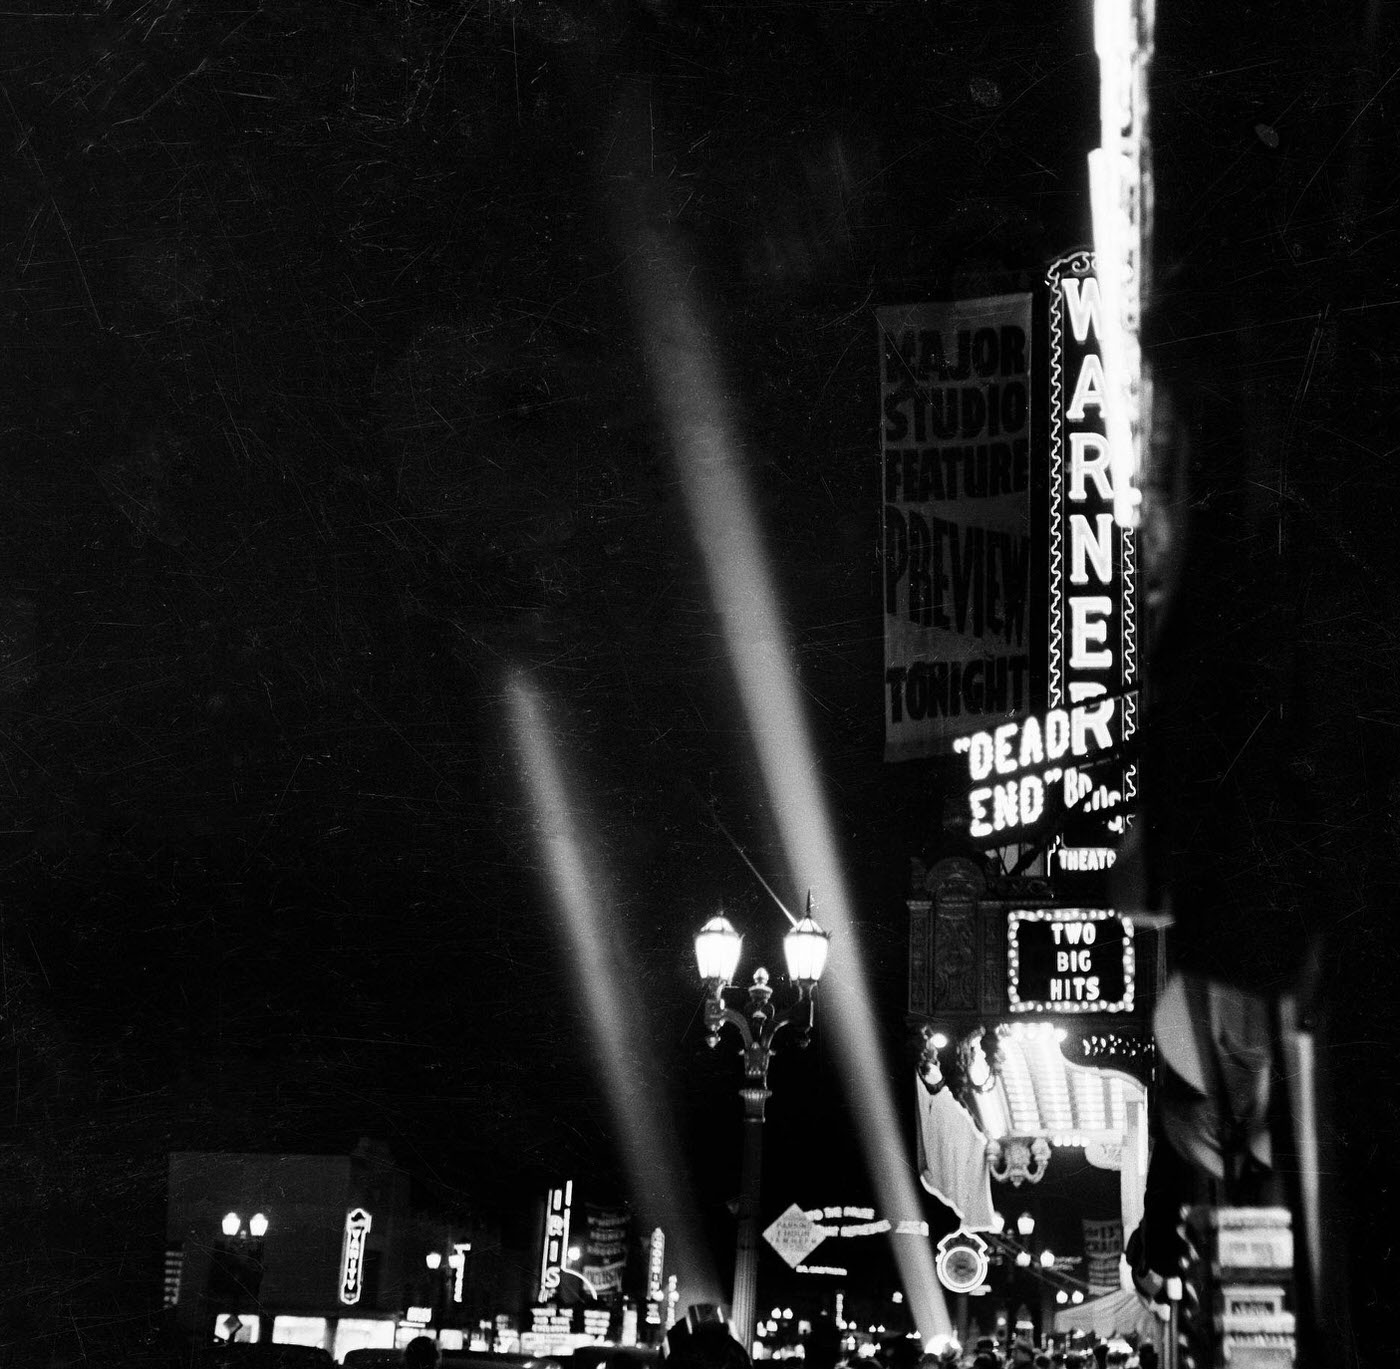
(558, 1207)
(1093, 564)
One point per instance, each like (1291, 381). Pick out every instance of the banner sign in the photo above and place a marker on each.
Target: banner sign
(605, 1247)
(1103, 1244)
(955, 436)
(1069, 960)
(1093, 647)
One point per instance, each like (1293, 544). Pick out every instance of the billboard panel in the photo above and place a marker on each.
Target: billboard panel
(955, 442)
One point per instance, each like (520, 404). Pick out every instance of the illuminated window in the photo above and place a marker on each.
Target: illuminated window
(301, 1331)
(362, 1333)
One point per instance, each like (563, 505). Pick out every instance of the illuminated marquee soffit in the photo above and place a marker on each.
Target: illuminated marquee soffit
(1038, 1093)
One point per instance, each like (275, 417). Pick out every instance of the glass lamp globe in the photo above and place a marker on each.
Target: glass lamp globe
(717, 947)
(257, 1226)
(231, 1223)
(1025, 1223)
(433, 1259)
(1047, 1259)
(806, 947)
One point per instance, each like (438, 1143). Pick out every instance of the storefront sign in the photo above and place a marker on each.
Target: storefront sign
(1069, 960)
(352, 1259)
(955, 474)
(1093, 647)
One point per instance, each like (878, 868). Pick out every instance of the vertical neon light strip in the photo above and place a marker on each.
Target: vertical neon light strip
(657, 1266)
(568, 1216)
(457, 1263)
(1120, 195)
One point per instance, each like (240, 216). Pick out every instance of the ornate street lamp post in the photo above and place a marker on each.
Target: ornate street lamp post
(236, 1268)
(717, 947)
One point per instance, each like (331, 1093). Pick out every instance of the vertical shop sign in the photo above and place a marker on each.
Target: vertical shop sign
(656, 1269)
(955, 442)
(1093, 651)
(558, 1208)
(352, 1258)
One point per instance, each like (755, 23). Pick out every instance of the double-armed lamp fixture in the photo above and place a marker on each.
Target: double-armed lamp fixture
(717, 949)
(232, 1226)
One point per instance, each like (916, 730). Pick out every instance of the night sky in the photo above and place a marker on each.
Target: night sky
(324, 409)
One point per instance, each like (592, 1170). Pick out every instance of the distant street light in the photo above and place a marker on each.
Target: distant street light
(232, 1226)
(717, 947)
(1025, 1223)
(448, 1286)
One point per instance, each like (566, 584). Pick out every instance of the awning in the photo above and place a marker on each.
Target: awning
(1122, 1313)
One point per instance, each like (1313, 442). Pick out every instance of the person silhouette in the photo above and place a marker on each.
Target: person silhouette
(421, 1353)
(707, 1346)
